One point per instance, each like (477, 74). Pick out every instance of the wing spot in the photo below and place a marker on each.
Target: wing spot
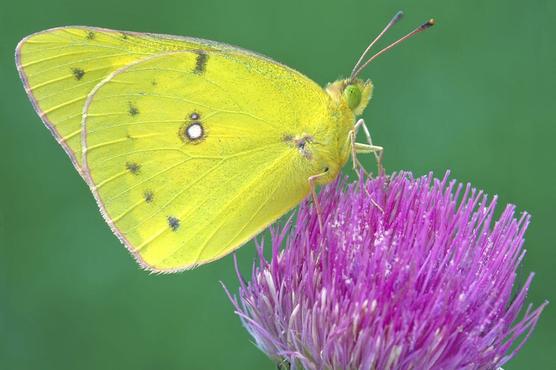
(192, 133)
(133, 167)
(174, 223)
(90, 35)
(124, 35)
(78, 73)
(133, 110)
(201, 62)
(300, 143)
(149, 196)
(154, 83)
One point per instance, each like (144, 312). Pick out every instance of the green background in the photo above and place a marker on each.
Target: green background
(475, 95)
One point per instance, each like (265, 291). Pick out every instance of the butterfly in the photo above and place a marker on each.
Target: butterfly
(190, 147)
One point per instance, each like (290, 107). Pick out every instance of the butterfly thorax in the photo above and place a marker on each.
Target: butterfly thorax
(333, 144)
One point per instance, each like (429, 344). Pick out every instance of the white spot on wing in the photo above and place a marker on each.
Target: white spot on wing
(194, 131)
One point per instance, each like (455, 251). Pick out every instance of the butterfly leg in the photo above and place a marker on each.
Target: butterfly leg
(369, 147)
(312, 184)
(364, 148)
(357, 165)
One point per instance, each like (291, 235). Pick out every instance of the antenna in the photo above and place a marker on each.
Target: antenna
(359, 68)
(395, 19)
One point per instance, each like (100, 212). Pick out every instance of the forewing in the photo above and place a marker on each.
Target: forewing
(178, 198)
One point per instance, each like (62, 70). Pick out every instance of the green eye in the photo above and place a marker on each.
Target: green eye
(352, 94)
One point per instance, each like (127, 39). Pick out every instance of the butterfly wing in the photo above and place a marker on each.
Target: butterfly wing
(189, 153)
(59, 68)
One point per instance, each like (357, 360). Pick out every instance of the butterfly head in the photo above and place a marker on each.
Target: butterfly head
(355, 94)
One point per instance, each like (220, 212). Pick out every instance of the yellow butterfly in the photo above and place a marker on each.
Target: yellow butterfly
(190, 147)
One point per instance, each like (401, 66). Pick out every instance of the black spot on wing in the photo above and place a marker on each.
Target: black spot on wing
(90, 35)
(78, 73)
(133, 110)
(149, 196)
(133, 167)
(174, 223)
(201, 62)
(287, 138)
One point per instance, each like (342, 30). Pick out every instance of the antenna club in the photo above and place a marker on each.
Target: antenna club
(431, 22)
(399, 15)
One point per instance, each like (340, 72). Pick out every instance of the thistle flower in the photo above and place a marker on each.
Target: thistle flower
(406, 274)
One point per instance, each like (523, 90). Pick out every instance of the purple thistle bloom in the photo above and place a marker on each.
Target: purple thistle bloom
(406, 274)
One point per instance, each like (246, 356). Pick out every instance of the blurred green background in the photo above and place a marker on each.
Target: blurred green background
(475, 95)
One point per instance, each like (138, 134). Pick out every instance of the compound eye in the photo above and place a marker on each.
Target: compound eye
(352, 95)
